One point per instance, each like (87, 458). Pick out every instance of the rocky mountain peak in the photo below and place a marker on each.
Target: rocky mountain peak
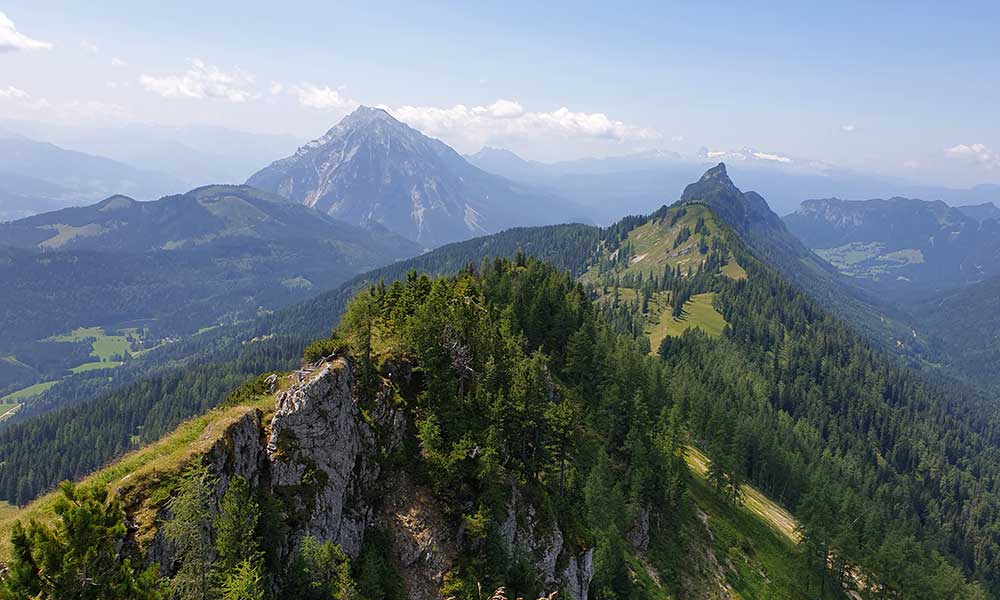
(373, 169)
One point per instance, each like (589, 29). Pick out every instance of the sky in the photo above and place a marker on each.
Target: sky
(910, 89)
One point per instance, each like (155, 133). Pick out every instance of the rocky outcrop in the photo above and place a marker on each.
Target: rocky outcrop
(322, 457)
(638, 533)
(423, 542)
(541, 541)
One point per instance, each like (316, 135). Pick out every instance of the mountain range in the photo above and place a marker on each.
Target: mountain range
(194, 155)
(903, 243)
(371, 168)
(164, 269)
(38, 176)
(639, 183)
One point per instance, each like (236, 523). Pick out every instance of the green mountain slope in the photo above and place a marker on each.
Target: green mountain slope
(966, 323)
(154, 271)
(542, 505)
(767, 237)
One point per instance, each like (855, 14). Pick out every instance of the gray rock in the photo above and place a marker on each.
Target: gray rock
(321, 457)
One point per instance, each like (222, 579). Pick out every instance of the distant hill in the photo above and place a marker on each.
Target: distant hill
(981, 212)
(59, 177)
(371, 168)
(197, 218)
(169, 268)
(902, 243)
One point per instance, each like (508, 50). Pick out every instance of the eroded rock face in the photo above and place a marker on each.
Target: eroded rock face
(578, 574)
(638, 533)
(321, 456)
(543, 543)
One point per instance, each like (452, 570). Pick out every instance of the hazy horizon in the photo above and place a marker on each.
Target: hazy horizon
(814, 86)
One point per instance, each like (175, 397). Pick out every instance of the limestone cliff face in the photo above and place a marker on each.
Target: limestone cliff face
(320, 456)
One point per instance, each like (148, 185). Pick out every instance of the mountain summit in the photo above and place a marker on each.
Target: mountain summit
(743, 211)
(371, 168)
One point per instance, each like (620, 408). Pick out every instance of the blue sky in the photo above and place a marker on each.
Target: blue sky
(911, 89)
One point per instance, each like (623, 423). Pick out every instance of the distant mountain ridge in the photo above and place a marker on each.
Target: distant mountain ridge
(196, 218)
(903, 242)
(371, 168)
(640, 182)
(41, 176)
(217, 253)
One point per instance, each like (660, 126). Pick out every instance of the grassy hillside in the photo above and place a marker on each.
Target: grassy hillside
(145, 475)
(698, 314)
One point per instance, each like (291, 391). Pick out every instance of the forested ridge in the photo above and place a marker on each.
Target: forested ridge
(53, 438)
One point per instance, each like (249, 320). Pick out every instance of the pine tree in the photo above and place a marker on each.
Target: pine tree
(236, 526)
(189, 531)
(81, 557)
(244, 582)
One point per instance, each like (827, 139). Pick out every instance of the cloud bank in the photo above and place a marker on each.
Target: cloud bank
(203, 81)
(508, 118)
(12, 40)
(977, 153)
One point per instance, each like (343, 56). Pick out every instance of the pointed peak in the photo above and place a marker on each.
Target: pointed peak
(717, 173)
(368, 114)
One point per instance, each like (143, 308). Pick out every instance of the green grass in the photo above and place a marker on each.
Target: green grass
(145, 474)
(653, 245)
(95, 366)
(755, 539)
(7, 410)
(698, 312)
(733, 270)
(30, 391)
(104, 347)
(753, 500)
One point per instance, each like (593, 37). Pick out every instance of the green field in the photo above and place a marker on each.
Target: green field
(733, 270)
(95, 366)
(104, 347)
(28, 392)
(698, 312)
(7, 410)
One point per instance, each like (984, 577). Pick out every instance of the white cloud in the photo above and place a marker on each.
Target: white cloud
(772, 157)
(117, 62)
(508, 118)
(276, 88)
(89, 47)
(849, 128)
(911, 164)
(677, 138)
(977, 153)
(13, 92)
(322, 98)
(203, 81)
(12, 40)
